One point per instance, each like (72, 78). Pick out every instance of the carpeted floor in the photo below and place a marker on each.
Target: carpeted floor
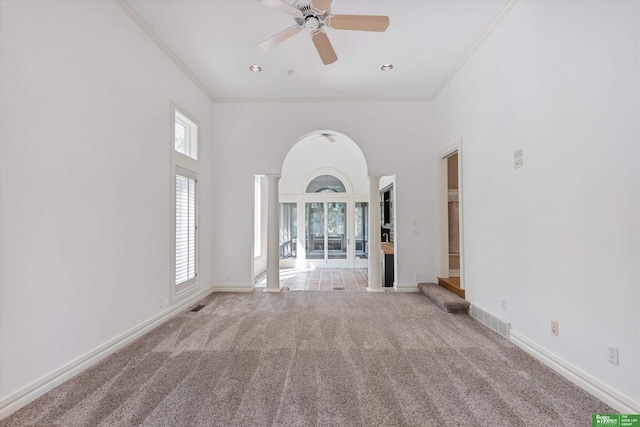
(316, 358)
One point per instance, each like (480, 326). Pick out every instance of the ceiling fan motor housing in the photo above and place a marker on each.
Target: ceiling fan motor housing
(311, 19)
(312, 23)
(314, 15)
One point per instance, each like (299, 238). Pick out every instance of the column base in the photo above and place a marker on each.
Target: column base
(272, 290)
(374, 289)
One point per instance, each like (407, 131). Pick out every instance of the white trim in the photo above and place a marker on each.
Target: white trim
(412, 287)
(36, 389)
(233, 287)
(461, 255)
(619, 402)
(443, 231)
(164, 47)
(336, 99)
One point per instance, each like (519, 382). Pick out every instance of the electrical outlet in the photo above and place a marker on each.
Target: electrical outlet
(517, 163)
(554, 327)
(612, 353)
(229, 277)
(160, 302)
(504, 304)
(417, 277)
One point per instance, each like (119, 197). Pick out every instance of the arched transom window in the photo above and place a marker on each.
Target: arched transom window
(326, 184)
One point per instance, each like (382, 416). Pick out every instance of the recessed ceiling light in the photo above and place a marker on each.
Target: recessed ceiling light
(386, 67)
(255, 68)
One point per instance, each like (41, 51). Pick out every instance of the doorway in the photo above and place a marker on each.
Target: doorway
(451, 269)
(326, 232)
(453, 215)
(324, 199)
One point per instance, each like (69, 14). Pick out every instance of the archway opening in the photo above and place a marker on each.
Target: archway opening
(323, 203)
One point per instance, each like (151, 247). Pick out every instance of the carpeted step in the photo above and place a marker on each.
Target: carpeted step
(446, 300)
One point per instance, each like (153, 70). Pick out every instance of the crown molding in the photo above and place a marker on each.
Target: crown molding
(126, 7)
(345, 99)
(479, 41)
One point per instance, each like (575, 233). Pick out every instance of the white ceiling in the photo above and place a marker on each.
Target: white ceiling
(426, 41)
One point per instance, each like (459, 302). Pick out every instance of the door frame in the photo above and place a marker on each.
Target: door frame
(358, 262)
(348, 197)
(443, 206)
(325, 199)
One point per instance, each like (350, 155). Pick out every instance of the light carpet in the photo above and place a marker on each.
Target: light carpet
(315, 359)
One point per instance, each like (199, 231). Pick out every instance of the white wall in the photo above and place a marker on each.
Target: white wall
(314, 153)
(394, 137)
(85, 179)
(559, 238)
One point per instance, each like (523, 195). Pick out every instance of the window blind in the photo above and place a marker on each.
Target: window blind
(185, 228)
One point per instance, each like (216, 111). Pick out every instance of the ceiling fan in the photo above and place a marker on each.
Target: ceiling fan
(315, 15)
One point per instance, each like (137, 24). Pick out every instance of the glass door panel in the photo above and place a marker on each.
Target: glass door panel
(362, 230)
(314, 227)
(336, 230)
(288, 230)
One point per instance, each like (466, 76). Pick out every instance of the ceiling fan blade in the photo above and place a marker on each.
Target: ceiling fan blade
(358, 22)
(280, 37)
(320, 6)
(283, 6)
(323, 46)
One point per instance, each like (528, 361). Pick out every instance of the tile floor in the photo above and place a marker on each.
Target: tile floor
(320, 279)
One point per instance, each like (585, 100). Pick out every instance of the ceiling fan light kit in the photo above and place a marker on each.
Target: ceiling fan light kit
(314, 15)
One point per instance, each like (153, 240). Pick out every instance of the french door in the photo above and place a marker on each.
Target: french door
(327, 241)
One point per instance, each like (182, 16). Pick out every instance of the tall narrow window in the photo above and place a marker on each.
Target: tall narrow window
(257, 217)
(185, 227)
(184, 192)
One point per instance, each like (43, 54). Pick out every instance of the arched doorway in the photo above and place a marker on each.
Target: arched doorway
(324, 204)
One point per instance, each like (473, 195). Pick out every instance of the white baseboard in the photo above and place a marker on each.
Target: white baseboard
(233, 287)
(580, 378)
(21, 398)
(412, 287)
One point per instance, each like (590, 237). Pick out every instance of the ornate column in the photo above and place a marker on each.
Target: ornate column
(273, 243)
(375, 261)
